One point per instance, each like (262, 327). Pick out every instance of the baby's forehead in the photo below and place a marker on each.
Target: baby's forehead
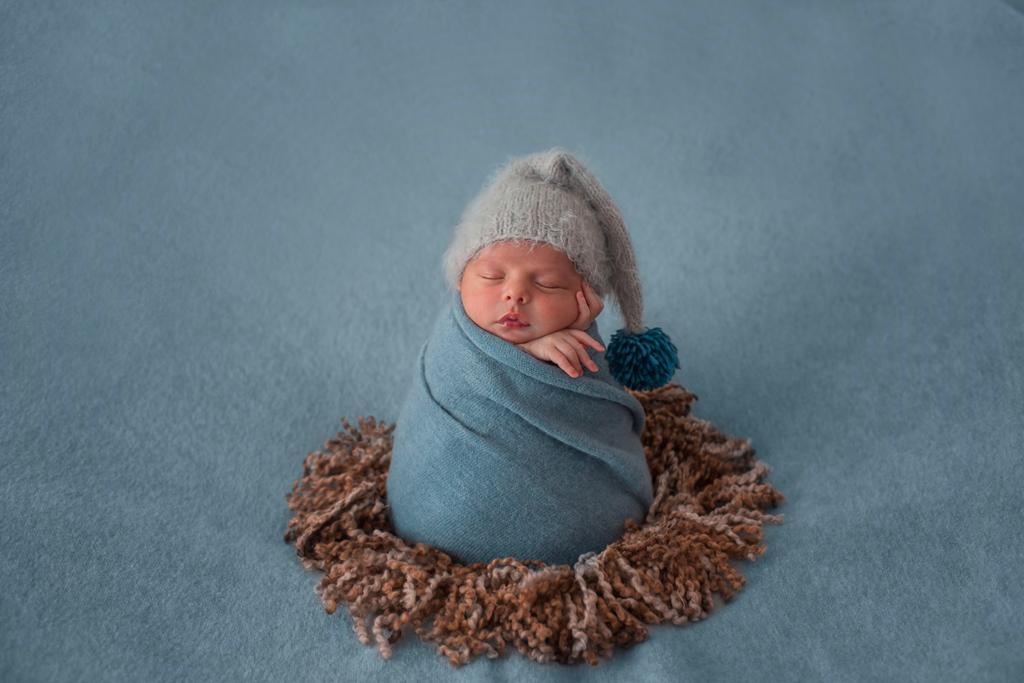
(538, 255)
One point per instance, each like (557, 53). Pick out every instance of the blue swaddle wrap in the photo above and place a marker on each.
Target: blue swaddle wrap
(498, 454)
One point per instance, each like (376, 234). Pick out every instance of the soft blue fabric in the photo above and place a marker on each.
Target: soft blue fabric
(498, 454)
(221, 228)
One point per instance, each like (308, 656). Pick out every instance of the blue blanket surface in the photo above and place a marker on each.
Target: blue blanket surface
(222, 224)
(498, 454)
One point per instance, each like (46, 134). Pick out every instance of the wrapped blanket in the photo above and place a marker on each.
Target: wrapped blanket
(498, 454)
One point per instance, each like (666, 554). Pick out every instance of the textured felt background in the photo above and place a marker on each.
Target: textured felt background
(222, 227)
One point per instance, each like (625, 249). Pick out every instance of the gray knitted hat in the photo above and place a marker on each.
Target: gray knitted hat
(552, 198)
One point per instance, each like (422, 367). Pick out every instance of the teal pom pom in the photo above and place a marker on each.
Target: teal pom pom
(643, 361)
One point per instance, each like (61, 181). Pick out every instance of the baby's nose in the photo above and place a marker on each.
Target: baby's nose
(516, 292)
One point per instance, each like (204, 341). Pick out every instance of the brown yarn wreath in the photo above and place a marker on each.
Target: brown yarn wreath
(709, 506)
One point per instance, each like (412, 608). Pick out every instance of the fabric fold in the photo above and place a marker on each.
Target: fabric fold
(498, 454)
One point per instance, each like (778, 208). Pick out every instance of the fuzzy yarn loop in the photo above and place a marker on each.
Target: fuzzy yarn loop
(643, 361)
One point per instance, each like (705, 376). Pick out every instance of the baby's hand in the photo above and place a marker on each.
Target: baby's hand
(590, 306)
(566, 349)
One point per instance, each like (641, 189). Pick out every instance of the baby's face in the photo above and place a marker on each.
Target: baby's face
(521, 292)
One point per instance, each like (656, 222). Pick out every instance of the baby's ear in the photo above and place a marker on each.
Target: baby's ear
(458, 286)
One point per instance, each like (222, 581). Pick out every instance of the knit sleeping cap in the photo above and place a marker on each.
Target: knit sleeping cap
(552, 198)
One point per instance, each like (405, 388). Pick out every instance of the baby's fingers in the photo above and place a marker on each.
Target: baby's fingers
(572, 350)
(585, 360)
(583, 319)
(593, 301)
(561, 360)
(577, 353)
(584, 338)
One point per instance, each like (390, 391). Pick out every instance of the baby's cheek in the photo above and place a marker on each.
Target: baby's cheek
(475, 307)
(565, 311)
(570, 309)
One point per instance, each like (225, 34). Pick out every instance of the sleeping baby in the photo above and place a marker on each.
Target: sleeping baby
(531, 295)
(517, 439)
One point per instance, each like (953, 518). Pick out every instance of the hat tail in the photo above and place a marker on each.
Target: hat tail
(623, 280)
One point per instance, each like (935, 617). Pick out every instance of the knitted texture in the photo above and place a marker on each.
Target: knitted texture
(498, 454)
(642, 361)
(709, 508)
(552, 198)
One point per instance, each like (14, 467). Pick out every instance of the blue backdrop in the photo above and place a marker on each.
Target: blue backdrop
(222, 228)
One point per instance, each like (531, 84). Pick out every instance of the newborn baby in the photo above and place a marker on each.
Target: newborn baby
(517, 438)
